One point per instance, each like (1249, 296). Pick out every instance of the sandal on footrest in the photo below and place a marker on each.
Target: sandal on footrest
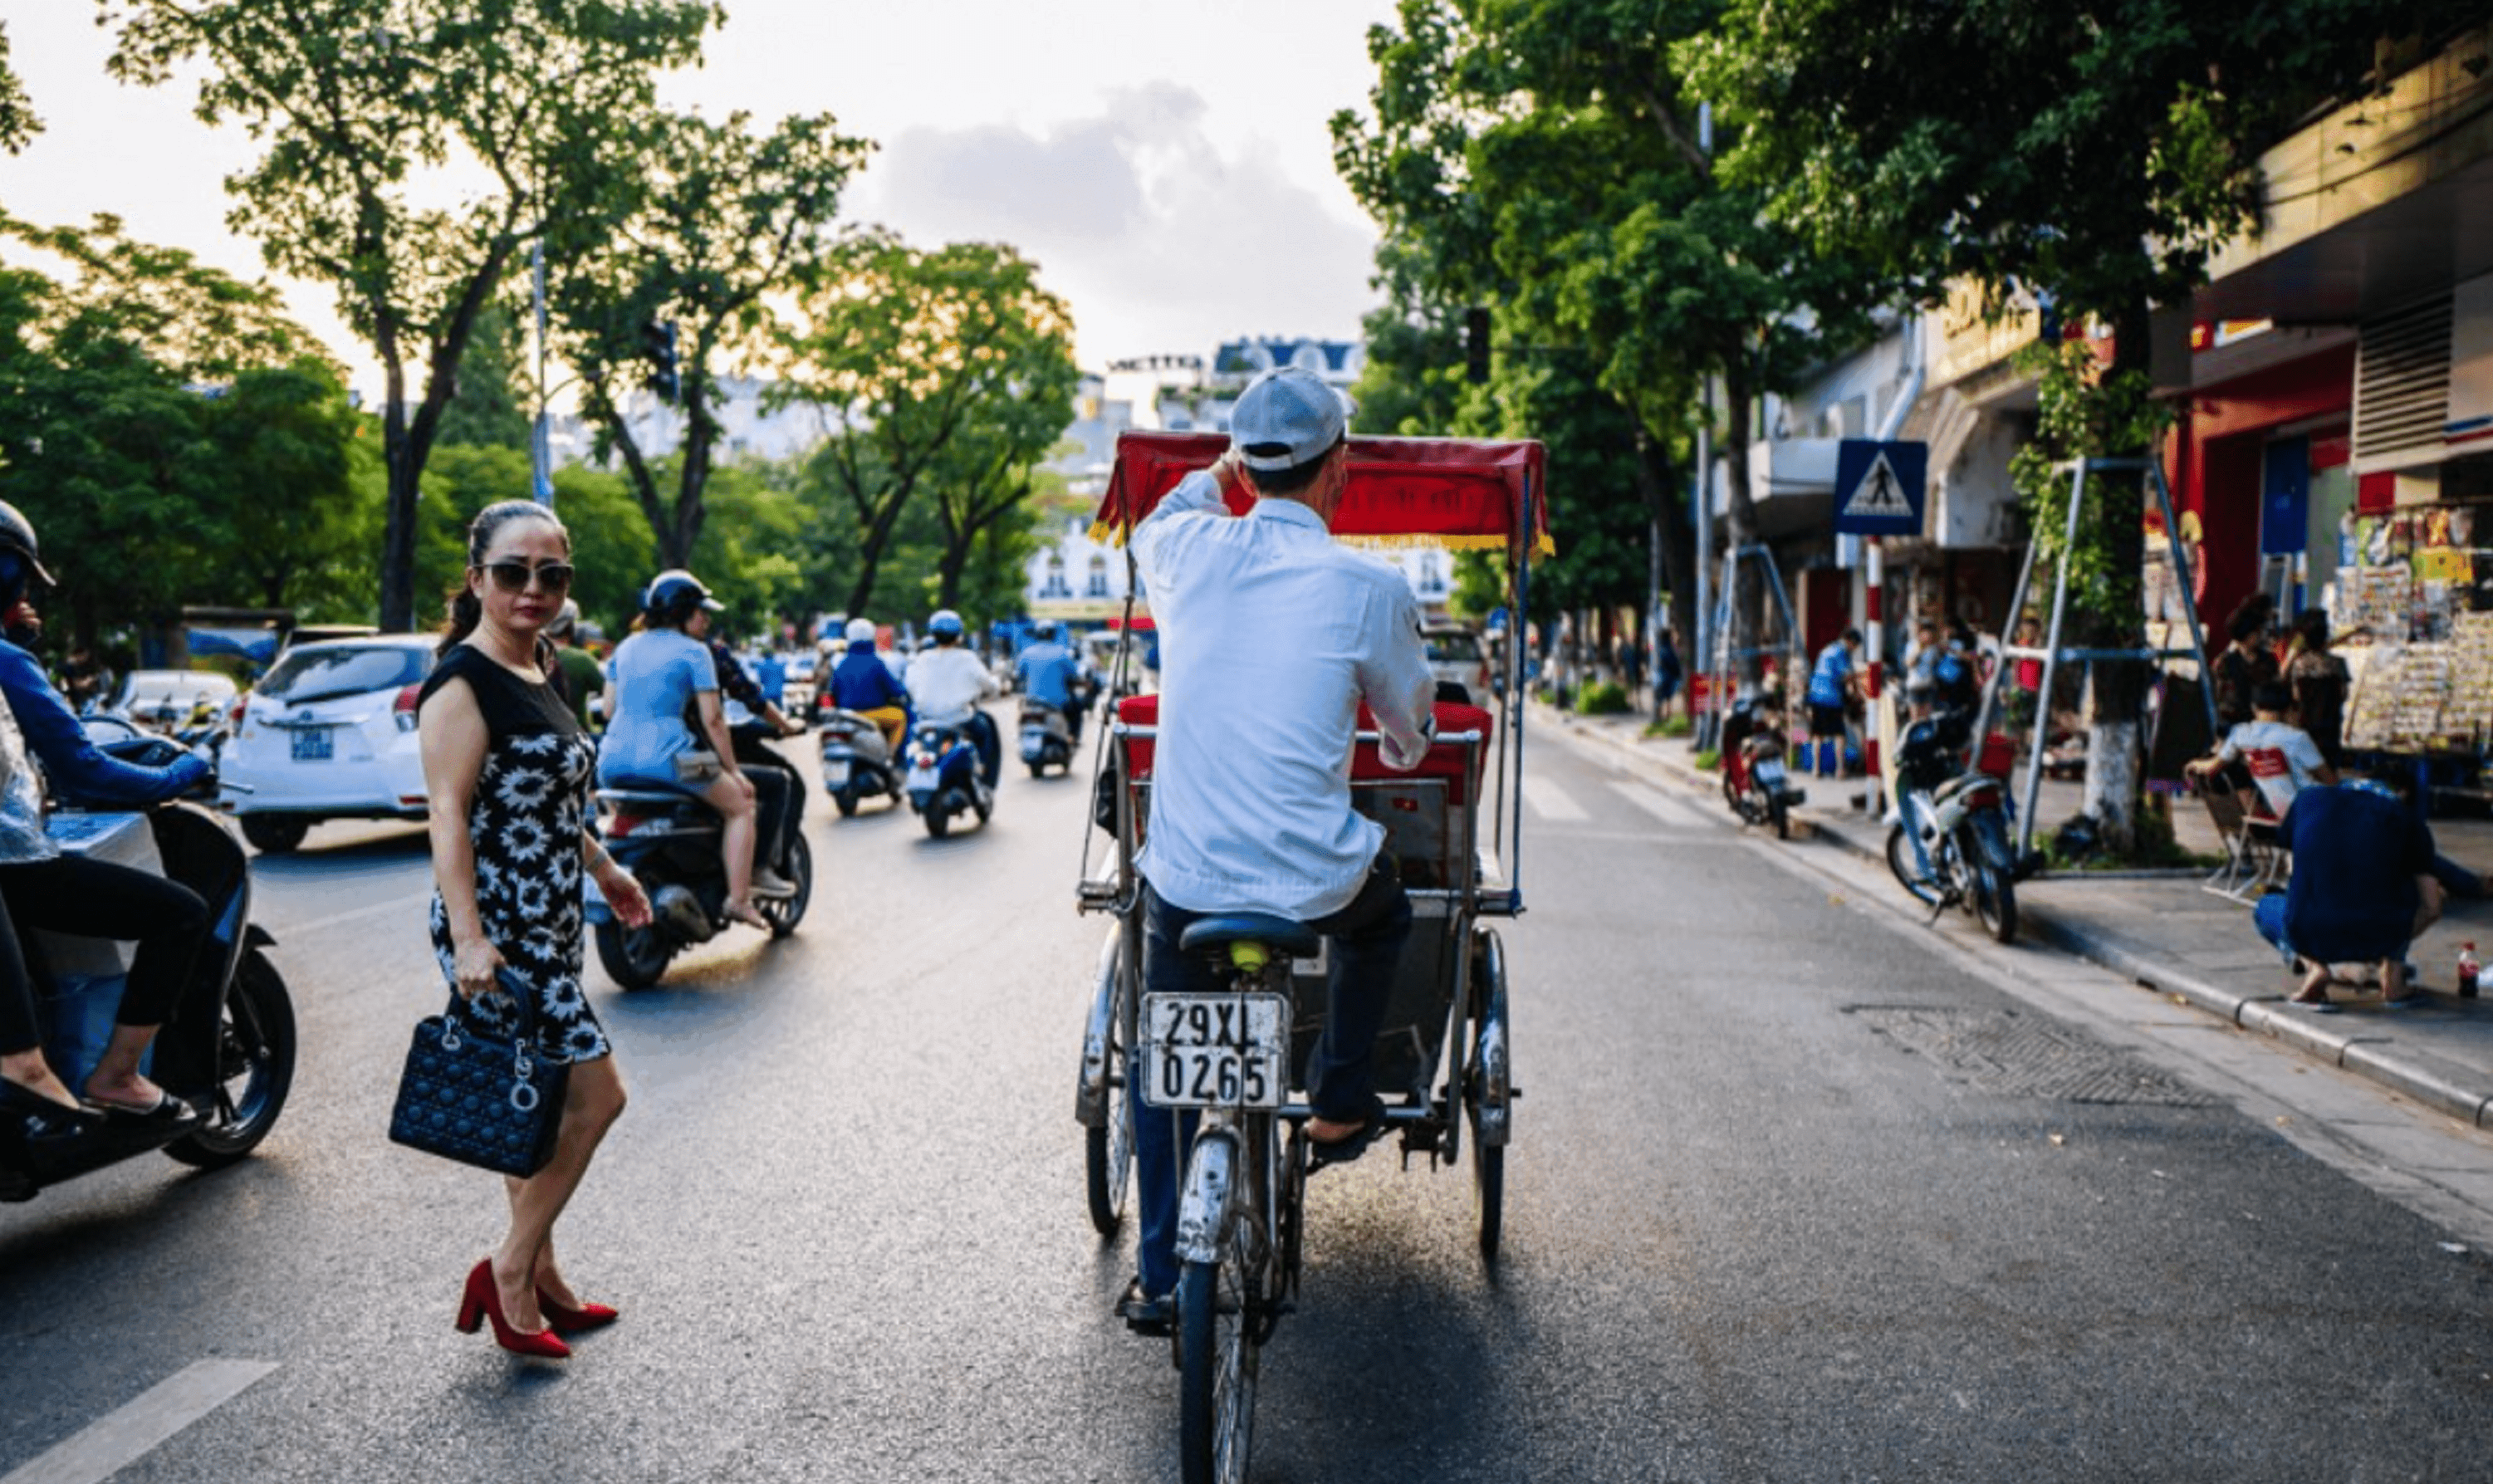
(1322, 1152)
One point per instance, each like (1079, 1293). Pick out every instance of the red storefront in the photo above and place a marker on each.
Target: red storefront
(2260, 457)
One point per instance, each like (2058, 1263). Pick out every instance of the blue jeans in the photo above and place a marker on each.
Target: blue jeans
(1367, 938)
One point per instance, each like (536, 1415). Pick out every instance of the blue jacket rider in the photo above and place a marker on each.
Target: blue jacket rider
(77, 767)
(864, 683)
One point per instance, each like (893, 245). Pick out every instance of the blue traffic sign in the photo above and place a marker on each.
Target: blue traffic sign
(1879, 487)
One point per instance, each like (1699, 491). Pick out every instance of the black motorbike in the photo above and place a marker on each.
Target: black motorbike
(227, 1049)
(1046, 736)
(856, 764)
(1948, 837)
(669, 840)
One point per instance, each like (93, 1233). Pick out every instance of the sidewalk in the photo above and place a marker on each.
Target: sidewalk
(2162, 931)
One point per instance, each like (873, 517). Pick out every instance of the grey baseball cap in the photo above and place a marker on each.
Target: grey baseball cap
(1286, 418)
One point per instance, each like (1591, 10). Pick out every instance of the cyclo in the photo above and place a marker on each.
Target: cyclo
(1442, 1057)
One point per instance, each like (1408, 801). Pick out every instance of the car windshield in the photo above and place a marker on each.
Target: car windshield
(324, 674)
(1453, 646)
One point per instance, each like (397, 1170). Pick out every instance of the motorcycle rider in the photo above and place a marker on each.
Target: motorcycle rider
(946, 684)
(777, 795)
(657, 673)
(39, 886)
(1050, 673)
(861, 683)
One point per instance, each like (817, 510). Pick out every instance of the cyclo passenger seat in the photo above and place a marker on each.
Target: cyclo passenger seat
(1250, 938)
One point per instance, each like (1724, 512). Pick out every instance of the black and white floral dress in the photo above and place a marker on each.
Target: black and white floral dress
(524, 825)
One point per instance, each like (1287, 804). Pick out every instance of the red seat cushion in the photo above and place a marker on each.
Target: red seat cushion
(1459, 764)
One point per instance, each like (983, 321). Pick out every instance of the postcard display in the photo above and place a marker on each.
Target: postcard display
(2414, 585)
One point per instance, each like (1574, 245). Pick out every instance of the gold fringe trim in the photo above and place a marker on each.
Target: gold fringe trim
(1110, 534)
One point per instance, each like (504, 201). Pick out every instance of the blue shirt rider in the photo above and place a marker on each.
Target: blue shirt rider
(77, 768)
(1050, 673)
(864, 683)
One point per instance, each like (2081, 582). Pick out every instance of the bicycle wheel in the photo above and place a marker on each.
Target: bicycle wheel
(1217, 1358)
(1108, 1148)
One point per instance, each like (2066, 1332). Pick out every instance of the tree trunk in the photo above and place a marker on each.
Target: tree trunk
(397, 529)
(2116, 506)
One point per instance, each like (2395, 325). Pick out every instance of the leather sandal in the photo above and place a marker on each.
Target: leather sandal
(1322, 1152)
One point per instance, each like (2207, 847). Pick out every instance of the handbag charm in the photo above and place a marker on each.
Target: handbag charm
(481, 1100)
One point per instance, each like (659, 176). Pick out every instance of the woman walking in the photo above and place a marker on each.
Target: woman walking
(508, 769)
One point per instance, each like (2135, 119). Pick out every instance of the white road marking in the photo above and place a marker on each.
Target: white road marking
(1662, 807)
(1549, 801)
(121, 1438)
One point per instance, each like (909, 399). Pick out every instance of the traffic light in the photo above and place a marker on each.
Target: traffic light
(658, 348)
(1476, 345)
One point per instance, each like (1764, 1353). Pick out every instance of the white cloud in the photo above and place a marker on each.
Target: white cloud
(1159, 239)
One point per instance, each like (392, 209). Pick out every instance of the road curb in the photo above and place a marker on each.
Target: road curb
(2353, 1046)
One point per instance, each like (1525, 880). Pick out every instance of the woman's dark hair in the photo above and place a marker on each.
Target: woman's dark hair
(2312, 625)
(2246, 624)
(464, 611)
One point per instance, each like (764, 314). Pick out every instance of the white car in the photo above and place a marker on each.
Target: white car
(329, 733)
(1456, 657)
(169, 699)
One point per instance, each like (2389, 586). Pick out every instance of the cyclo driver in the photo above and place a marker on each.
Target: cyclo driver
(1272, 634)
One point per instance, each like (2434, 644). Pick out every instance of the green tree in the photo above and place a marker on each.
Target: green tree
(2092, 155)
(908, 351)
(1543, 155)
(290, 527)
(121, 435)
(487, 407)
(18, 124)
(721, 217)
(362, 107)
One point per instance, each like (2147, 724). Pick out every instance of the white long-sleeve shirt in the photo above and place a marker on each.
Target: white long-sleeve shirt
(1271, 635)
(946, 681)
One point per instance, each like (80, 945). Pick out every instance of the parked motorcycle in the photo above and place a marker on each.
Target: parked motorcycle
(944, 777)
(856, 764)
(1949, 840)
(1756, 781)
(669, 840)
(1046, 736)
(227, 1049)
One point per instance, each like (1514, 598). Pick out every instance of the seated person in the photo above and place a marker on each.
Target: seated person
(946, 684)
(2362, 887)
(2268, 729)
(861, 683)
(1049, 672)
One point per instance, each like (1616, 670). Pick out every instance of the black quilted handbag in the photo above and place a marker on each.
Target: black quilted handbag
(481, 1100)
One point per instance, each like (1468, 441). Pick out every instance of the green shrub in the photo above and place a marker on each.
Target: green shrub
(1601, 698)
(1708, 759)
(1669, 726)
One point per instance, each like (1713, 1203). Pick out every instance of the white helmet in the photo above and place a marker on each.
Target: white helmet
(860, 631)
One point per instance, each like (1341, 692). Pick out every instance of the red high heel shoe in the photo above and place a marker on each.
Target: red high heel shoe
(563, 1319)
(483, 1301)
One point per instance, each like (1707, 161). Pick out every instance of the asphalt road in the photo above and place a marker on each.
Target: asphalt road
(1796, 1193)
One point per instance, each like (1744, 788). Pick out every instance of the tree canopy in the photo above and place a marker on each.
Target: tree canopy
(365, 110)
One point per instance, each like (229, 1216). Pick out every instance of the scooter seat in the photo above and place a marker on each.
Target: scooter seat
(655, 797)
(1285, 938)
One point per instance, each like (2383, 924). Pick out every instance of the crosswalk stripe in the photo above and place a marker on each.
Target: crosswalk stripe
(1662, 807)
(130, 1432)
(1549, 801)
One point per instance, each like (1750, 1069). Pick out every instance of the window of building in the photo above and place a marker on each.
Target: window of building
(1098, 586)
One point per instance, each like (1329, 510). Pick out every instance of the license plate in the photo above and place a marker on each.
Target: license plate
(921, 777)
(1770, 773)
(835, 774)
(312, 745)
(1216, 1050)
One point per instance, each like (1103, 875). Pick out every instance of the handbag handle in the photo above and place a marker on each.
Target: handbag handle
(524, 1092)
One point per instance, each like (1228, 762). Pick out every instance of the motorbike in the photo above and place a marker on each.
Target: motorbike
(856, 764)
(1046, 736)
(1756, 782)
(669, 840)
(227, 1049)
(1947, 837)
(944, 777)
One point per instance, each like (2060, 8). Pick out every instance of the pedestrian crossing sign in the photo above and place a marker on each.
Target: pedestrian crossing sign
(1879, 487)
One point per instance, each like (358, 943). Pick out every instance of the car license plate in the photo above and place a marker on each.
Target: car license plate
(312, 745)
(1216, 1050)
(835, 771)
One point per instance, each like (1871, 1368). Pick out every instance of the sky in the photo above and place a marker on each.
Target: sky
(1166, 162)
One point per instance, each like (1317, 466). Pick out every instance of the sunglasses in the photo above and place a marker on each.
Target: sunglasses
(513, 576)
